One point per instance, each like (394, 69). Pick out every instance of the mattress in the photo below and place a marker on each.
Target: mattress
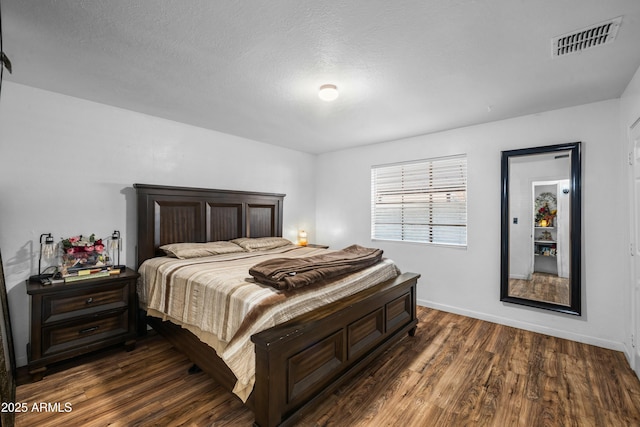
(216, 299)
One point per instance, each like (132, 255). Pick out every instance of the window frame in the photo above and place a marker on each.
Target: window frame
(437, 180)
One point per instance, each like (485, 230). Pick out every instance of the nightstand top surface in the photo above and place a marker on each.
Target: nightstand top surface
(37, 287)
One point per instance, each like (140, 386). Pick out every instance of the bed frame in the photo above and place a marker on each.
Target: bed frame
(298, 362)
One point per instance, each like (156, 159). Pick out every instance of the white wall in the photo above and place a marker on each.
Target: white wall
(467, 281)
(67, 167)
(629, 113)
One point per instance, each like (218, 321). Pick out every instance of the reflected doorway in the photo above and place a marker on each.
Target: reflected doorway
(547, 275)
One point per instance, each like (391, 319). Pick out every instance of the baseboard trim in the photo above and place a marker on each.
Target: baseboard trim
(586, 339)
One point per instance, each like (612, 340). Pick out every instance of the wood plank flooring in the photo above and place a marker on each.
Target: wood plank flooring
(456, 371)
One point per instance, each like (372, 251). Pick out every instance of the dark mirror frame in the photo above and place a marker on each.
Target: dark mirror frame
(575, 227)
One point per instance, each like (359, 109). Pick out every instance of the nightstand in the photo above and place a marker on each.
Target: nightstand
(70, 319)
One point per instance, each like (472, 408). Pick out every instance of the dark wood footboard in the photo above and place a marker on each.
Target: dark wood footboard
(307, 358)
(310, 356)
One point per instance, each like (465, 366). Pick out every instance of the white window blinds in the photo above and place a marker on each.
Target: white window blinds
(423, 201)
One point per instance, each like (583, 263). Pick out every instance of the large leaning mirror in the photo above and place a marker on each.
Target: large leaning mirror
(540, 254)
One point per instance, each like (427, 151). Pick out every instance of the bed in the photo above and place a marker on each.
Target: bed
(306, 357)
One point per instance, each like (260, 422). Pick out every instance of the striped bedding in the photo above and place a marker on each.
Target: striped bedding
(217, 300)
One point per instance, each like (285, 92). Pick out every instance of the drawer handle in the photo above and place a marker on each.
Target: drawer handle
(86, 331)
(89, 300)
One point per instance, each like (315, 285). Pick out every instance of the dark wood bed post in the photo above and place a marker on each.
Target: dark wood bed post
(297, 362)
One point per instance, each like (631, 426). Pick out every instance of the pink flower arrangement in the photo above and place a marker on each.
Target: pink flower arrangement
(81, 251)
(81, 244)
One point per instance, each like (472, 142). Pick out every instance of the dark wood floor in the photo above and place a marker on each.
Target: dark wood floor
(456, 371)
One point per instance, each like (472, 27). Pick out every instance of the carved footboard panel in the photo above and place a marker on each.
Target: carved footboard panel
(309, 357)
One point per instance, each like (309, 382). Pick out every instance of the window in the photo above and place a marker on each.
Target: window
(423, 201)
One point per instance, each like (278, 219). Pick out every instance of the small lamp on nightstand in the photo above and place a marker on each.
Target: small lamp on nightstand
(302, 238)
(116, 247)
(47, 251)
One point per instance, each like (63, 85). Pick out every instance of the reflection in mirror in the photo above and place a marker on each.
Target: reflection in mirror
(541, 227)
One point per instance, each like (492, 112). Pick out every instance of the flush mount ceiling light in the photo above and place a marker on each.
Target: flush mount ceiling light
(328, 92)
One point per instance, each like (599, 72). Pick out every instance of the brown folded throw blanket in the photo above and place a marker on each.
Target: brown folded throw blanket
(292, 273)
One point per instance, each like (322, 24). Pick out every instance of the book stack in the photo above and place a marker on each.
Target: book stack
(92, 273)
(84, 274)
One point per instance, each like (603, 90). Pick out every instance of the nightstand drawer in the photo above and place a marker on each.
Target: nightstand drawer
(68, 336)
(61, 307)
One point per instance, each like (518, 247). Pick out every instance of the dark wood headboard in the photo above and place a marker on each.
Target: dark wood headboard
(181, 214)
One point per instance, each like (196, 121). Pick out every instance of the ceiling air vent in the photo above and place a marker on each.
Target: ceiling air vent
(586, 38)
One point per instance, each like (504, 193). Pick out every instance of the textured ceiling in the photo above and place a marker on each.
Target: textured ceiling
(252, 68)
